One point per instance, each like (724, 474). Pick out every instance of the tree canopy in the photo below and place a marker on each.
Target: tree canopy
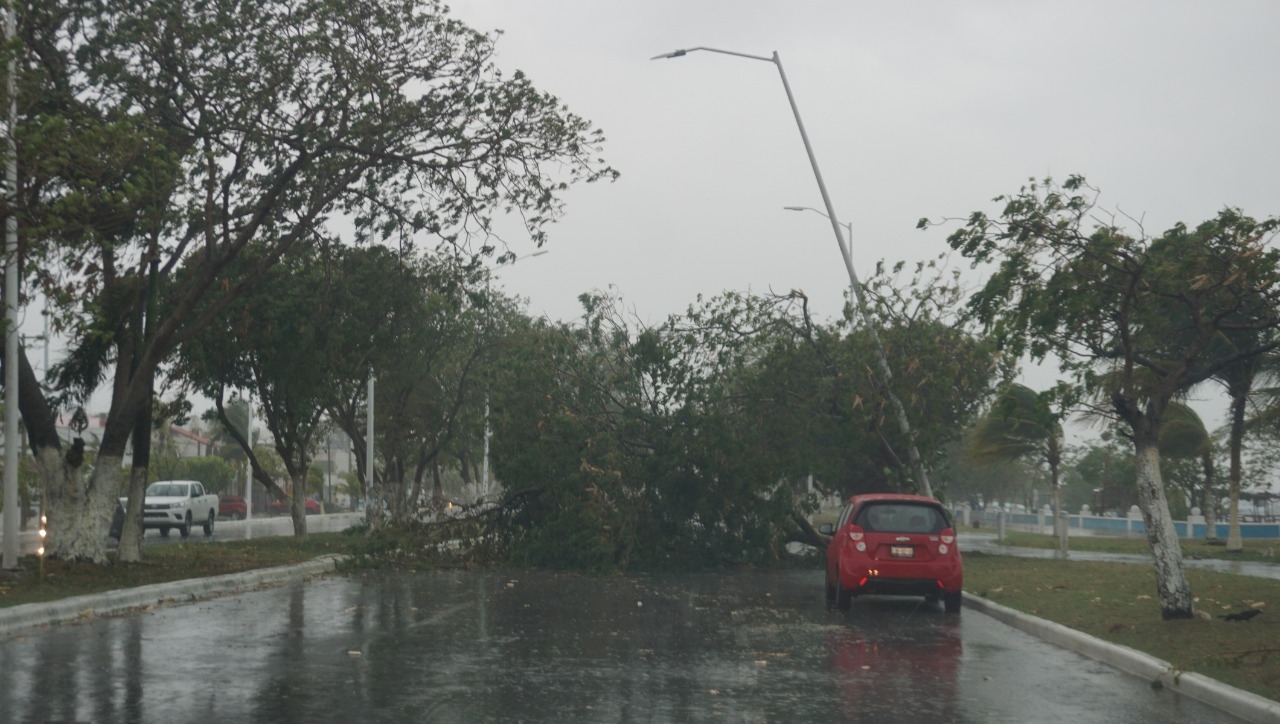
(176, 135)
(1130, 318)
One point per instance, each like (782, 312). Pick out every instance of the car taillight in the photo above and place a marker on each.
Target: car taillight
(948, 536)
(855, 535)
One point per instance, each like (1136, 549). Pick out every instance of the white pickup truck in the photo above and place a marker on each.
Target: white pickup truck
(178, 504)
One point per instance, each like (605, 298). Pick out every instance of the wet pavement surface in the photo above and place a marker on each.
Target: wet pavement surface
(532, 646)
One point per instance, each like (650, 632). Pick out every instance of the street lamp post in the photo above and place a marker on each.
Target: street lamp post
(885, 374)
(484, 474)
(12, 507)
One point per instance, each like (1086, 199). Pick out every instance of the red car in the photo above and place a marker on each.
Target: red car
(232, 506)
(898, 545)
(281, 507)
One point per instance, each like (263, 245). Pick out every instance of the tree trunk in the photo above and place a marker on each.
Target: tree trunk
(130, 547)
(79, 510)
(1172, 588)
(1210, 502)
(79, 514)
(1234, 541)
(1053, 456)
(299, 508)
(437, 485)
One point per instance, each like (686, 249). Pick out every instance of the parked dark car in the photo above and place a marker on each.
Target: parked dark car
(233, 507)
(898, 545)
(281, 507)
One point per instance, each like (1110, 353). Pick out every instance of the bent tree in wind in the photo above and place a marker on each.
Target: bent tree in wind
(171, 135)
(1131, 318)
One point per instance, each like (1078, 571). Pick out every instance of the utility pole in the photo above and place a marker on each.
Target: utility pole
(12, 502)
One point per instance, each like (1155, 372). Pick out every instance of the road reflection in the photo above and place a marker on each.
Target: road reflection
(896, 661)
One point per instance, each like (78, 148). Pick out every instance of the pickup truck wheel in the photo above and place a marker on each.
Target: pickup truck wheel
(208, 524)
(185, 530)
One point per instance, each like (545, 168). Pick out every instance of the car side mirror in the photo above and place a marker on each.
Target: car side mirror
(827, 529)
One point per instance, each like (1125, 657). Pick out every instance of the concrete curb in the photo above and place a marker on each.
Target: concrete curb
(157, 594)
(1237, 702)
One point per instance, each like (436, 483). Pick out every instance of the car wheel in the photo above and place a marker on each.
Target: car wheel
(831, 594)
(164, 532)
(844, 597)
(208, 524)
(952, 602)
(237, 516)
(185, 530)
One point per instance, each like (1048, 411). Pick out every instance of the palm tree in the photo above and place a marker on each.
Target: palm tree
(1183, 435)
(1239, 378)
(1022, 424)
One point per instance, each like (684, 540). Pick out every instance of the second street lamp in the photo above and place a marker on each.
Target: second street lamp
(484, 475)
(886, 376)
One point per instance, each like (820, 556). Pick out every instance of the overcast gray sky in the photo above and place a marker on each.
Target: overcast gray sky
(914, 109)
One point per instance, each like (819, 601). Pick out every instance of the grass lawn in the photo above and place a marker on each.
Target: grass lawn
(1116, 602)
(161, 564)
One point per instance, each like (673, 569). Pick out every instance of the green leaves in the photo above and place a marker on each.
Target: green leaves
(1069, 282)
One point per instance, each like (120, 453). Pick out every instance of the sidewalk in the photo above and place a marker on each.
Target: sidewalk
(985, 542)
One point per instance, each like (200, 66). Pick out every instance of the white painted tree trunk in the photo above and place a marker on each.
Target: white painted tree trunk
(79, 511)
(1172, 588)
(129, 549)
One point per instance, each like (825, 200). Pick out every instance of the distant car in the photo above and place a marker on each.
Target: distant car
(281, 507)
(233, 507)
(898, 545)
(179, 504)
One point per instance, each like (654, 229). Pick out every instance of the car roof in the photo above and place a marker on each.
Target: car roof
(892, 498)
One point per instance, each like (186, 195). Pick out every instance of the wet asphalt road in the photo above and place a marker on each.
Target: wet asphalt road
(524, 646)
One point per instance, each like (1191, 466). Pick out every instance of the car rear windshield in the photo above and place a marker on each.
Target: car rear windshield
(902, 518)
(161, 490)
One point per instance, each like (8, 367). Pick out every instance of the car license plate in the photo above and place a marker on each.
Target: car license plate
(902, 551)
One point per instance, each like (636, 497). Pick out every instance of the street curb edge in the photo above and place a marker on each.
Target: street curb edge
(83, 608)
(1237, 702)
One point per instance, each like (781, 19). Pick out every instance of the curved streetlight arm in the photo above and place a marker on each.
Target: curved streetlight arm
(686, 51)
(804, 136)
(848, 230)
